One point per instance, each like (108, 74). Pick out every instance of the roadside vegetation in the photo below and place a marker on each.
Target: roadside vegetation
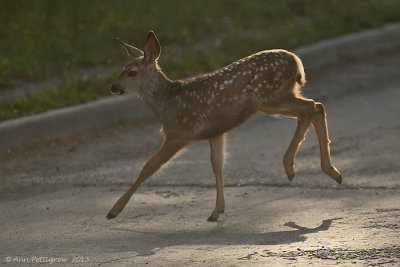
(43, 39)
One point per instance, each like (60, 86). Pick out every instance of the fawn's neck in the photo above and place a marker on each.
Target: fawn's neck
(155, 92)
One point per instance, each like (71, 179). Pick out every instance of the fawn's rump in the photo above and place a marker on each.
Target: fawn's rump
(245, 107)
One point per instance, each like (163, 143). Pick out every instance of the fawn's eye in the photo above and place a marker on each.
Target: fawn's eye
(132, 73)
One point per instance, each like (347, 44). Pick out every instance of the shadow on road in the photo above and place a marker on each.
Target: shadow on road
(217, 236)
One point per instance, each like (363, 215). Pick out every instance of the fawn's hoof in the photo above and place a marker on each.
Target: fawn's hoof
(214, 216)
(339, 179)
(333, 173)
(212, 219)
(290, 177)
(110, 216)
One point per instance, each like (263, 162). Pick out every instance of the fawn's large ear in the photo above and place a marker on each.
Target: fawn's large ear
(131, 51)
(152, 48)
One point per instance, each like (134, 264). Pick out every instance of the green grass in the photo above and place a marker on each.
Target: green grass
(72, 92)
(41, 39)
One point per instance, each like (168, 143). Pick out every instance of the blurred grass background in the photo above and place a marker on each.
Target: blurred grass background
(46, 38)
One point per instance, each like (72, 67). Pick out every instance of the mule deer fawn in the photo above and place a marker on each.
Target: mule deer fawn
(207, 106)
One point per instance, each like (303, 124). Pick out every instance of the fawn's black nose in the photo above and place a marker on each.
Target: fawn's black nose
(117, 89)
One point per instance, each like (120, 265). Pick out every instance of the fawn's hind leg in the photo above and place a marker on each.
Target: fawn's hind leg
(217, 161)
(296, 108)
(321, 128)
(303, 123)
(306, 111)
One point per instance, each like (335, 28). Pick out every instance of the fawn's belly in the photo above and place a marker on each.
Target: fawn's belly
(221, 122)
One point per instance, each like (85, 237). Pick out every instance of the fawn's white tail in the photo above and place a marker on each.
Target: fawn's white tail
(207, 106)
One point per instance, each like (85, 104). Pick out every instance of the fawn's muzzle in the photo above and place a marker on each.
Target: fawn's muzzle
(116, 89)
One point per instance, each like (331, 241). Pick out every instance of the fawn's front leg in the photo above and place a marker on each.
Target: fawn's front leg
(168, 149)
(217, 161)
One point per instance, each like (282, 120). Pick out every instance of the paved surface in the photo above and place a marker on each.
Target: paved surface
(54, 197)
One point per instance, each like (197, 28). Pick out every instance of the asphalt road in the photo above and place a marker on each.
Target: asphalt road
(54, 197)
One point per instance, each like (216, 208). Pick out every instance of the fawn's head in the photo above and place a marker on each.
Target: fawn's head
(142, 70)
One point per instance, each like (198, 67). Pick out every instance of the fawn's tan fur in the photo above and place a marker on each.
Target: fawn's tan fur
(207, 106)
